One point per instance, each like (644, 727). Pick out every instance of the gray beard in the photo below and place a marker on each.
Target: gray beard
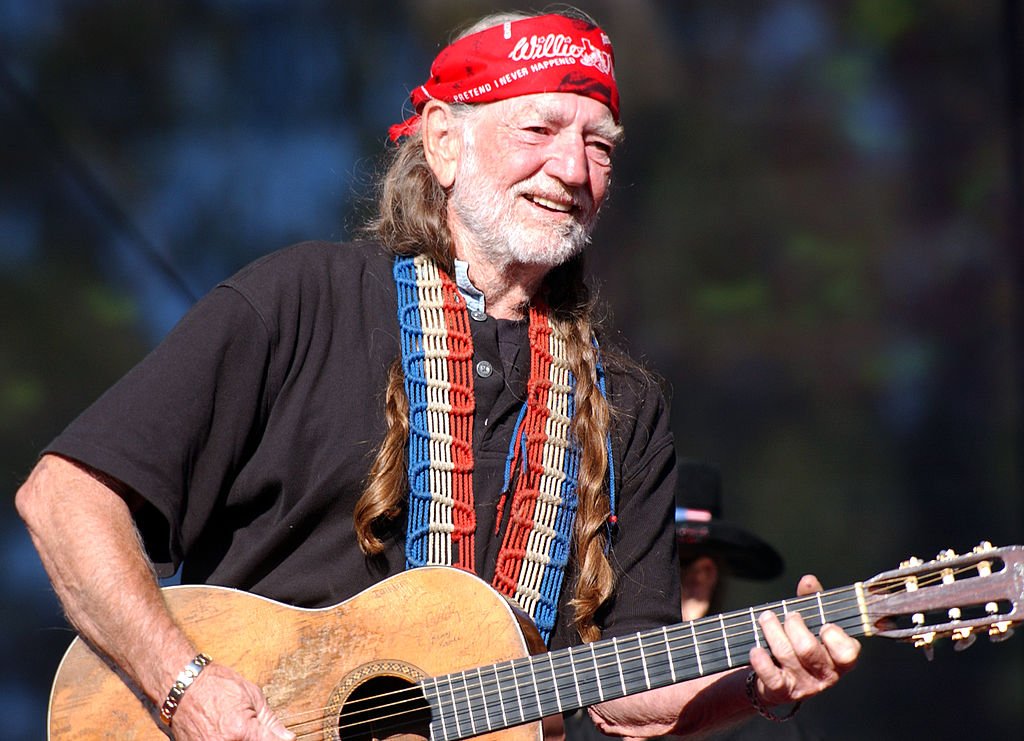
(487, 215)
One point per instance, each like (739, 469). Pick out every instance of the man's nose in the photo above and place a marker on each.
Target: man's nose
(568, 160)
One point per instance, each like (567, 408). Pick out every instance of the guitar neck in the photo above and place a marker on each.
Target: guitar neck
(510, 693)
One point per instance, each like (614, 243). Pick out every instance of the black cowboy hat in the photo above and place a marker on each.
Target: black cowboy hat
(700, 529)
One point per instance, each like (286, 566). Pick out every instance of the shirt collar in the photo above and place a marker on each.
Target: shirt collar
(474, 298)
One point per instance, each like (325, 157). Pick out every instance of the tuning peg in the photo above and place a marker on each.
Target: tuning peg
(984, 547)
(924, 642)
(911, 562)
(946, 555)
(963, 639)
(999, 632)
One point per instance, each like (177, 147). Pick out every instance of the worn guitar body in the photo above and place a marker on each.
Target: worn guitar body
(312, 664)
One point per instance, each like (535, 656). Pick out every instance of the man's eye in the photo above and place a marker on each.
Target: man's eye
(600, 151)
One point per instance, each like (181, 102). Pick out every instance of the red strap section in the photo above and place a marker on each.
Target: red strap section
(524, 497)
(460, 360)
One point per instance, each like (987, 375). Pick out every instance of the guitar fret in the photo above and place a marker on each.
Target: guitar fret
(451, 712)
(696, 649)
(785, 609)
(618, 664)
(637, 671)
(668, 652)
(821, 609)
(548, 685)
(588, 683)
(643, 663)
(536, 690)
(597, 673)
(519, 699)
(483, 698)
(566, 689)
(454, 706)
(710, 652)
(656, 663)
(468, 704)
(753, 623)
(683, 652)
(725, 641)
(554, 682)
(575, 678)
(500, 692)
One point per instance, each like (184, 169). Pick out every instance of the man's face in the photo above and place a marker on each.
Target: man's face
(532, 176)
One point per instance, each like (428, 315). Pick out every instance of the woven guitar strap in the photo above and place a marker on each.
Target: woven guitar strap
(437, 356)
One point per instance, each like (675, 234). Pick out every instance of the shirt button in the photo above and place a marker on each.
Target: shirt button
(484, 369)
(477, 315)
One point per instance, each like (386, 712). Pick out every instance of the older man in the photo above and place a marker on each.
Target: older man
(334, 414)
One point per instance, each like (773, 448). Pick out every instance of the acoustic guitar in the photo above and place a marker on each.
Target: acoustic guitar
(436, 653)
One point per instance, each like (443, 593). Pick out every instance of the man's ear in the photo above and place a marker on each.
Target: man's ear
(441, 141)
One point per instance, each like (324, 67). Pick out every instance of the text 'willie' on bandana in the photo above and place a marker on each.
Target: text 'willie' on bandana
(545, 54)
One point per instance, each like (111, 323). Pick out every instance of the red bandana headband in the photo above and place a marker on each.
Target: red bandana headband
(544, 54)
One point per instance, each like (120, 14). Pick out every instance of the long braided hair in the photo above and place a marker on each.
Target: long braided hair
(411, 220)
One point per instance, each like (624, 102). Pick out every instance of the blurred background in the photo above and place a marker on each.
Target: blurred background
(815, 236)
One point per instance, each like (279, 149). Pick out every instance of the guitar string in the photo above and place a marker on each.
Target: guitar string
(900, 581)
(855, 618)
(629, 657)
(400, 717)
(624, 657)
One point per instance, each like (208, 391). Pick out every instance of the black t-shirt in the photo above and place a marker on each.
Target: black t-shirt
(249, 432)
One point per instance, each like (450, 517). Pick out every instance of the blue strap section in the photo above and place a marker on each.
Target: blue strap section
(416, 542)
(558, 553)
(612, 513)
(512, 450)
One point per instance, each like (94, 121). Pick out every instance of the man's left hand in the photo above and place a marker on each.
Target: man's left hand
(800, 665)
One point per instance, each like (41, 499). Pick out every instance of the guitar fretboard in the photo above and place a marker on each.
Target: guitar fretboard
(491, 698)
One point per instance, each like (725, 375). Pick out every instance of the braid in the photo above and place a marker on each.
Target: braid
(572, 307)
(384, 496)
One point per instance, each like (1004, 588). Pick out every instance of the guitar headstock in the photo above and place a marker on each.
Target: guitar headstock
(955, 596)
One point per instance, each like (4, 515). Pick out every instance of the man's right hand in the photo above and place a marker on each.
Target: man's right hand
(221, 705)
(109, 592)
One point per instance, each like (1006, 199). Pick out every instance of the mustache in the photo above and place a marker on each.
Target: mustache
(582, 201)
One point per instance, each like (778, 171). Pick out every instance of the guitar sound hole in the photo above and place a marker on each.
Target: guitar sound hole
(384, 707)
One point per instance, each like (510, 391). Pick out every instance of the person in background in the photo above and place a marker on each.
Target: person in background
(434, 394)
(712, 551)
(710, 548)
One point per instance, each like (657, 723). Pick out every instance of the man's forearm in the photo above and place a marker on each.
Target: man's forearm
(697, 705)
(88, 544)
